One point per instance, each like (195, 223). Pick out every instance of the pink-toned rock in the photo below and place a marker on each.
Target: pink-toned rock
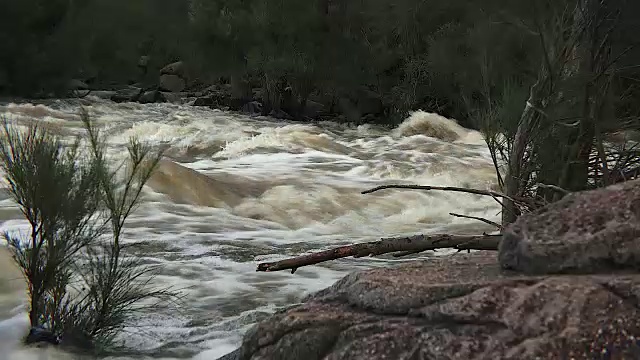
(587, 232)
(459, 307)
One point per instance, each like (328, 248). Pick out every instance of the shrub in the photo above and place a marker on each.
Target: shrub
(84, 285)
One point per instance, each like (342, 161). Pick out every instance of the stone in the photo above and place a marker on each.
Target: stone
(313, 109)
(176, 68)
(456, 307)
(280, 114)
(41, 335)
(149, 97)
(129, 94)
(203, 101)
(77, 84)
(171, 83)
(586, 232)
(234, 355)
(252, 107)
(175, 98)
(103, 94)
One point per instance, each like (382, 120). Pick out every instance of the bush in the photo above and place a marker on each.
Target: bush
(84, 286)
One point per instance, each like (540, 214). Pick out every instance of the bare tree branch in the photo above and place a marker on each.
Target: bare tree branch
(553, 187)
(479, 219)
(526, 202)
(410, 244)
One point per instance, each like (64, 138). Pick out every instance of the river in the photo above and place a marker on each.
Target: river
(235, 190)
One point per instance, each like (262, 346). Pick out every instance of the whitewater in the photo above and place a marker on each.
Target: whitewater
(235, 190)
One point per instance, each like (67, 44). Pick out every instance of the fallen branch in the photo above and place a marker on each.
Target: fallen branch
(410, 244)
(479, 219)
(493, 194)
(553, 187)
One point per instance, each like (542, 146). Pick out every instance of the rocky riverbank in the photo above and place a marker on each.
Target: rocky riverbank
(564, 285)
(174, 85)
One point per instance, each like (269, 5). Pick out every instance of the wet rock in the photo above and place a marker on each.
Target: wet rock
(103, 94)
(171, 83)
(203, 101)
(40, 335)
(128, 94)
(152, 96)
(175, 98)
(252, 107)
(77, 84)
(280, 114)
(587, 232)
(313, 109)
(176, 68)
(234, 355)
(459, 307)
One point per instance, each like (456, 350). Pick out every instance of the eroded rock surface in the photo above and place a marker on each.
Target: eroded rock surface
(459, 307)
(586, 232)
(564, 285)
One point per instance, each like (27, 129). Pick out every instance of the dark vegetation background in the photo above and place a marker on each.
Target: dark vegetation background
(355, 57)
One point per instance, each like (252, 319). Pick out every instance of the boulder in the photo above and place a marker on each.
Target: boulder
(128, 94)
(459, 307)
(175, 98)
(103, 94)
(252, 107)
(151, 96)
(280, 114)
(77, 84)
(586, 232)
(313, 109)
(171, 83)
(177, 68)
(41, 335)
(203, 101)
(213, 96)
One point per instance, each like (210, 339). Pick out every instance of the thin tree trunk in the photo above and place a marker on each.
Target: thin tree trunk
(515, 171)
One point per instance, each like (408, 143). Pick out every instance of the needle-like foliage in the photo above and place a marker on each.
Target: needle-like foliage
(84, 285)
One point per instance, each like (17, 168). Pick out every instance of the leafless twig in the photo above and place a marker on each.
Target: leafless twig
(525, 202)
(486, 221)
(553, 187)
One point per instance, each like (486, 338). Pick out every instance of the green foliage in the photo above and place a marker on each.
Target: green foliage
(55, 191)
(84, 284)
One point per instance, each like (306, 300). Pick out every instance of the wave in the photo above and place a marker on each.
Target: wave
(437, 126)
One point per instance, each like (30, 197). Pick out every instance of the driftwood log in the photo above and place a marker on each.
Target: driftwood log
(407, 245)
(400, 245)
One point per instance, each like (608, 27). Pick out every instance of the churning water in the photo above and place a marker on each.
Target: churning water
(234, 191)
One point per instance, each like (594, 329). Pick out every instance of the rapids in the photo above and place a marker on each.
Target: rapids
(235, 190)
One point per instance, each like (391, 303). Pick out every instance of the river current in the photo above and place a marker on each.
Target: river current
(235, 190)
